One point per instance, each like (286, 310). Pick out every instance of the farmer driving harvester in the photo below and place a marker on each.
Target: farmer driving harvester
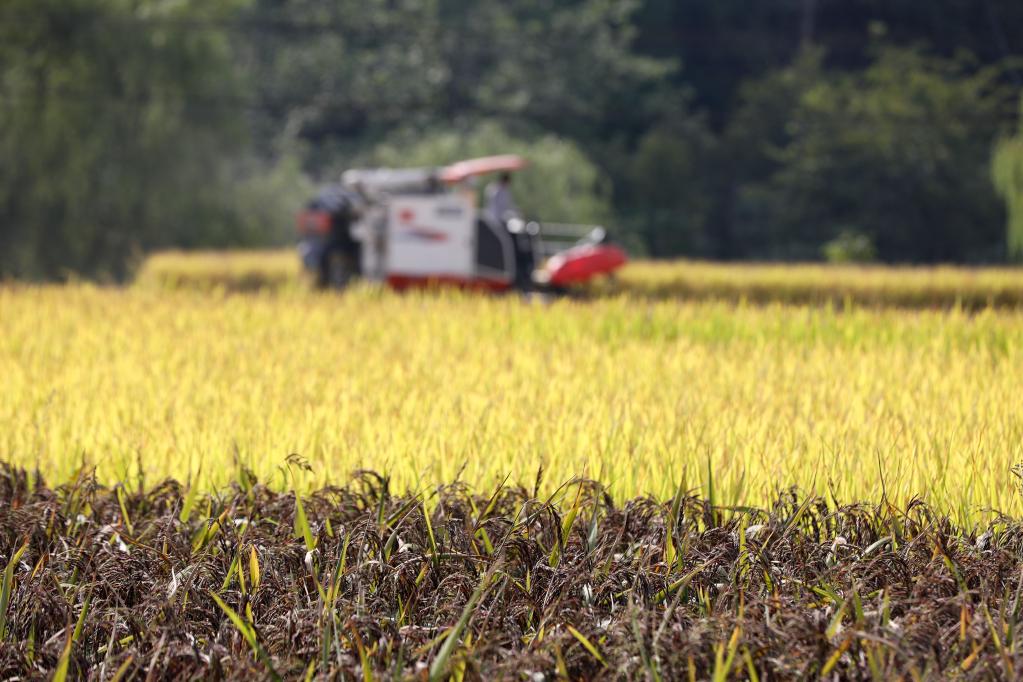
(422, 226)
(500, 203)
(502, 210)
(329, 248)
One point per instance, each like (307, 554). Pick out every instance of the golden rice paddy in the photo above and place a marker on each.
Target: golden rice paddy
(731, 400)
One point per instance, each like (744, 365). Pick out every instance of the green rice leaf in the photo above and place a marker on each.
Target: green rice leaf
(7, 586)
(587, 644)
(248, 632)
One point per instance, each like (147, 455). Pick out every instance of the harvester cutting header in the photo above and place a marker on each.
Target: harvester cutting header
(420, 226)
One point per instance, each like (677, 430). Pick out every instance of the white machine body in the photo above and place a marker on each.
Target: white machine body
(431, 236)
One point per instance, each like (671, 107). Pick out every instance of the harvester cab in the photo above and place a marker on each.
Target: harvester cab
(422, 226)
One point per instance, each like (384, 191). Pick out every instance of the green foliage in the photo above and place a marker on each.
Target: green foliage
(330, 71)
(265, 199)
(761, 127)
(111, 130)
(335, 71)
(570, 67)
(725, 44)
(900, 151)
(560, 185)
(1007, 171)
(670, 184)
(850, 246)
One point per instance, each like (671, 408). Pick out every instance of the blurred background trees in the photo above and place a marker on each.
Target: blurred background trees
(562, 183)
(792, 129)
(1007, 168)
(117, 133)
(897, 153)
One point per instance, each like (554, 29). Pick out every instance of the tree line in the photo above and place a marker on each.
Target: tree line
(789, 129)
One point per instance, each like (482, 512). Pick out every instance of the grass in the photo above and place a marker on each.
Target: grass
(732, 400)
(800, 284)
(458, 584)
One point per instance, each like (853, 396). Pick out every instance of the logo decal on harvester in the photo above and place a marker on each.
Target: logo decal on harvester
(424, 234)
(411, 232)
(451, 211)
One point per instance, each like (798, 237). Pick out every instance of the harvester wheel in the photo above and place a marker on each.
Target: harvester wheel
(337, 269)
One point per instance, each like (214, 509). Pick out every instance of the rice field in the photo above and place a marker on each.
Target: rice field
(733, 402)
(697, 471)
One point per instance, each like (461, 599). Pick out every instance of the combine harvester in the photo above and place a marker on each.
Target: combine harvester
(423, 226)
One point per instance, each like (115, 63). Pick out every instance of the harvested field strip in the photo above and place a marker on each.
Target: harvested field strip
(235, 271)
(357, 582)
(821, 284)
(941, 287)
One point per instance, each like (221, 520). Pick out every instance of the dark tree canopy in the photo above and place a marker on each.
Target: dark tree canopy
(787, 129)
